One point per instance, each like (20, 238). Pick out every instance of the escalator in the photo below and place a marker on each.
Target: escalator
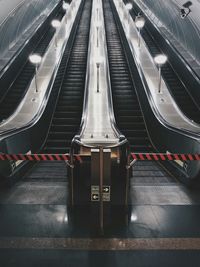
(66, 119)
(128, 114)
(68, 111)
(178, 90)
(127, 109)
(13, 96)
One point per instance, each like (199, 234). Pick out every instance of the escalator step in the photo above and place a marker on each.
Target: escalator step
(176, 87)
(20, 85)
(127, 110)
(68, 111)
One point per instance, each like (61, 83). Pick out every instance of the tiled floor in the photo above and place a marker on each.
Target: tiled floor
(36, 228)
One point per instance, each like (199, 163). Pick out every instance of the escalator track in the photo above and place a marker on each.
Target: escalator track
(178, 90)
(127, 109)
(13, 96)
(66, 119)
(128, 114)
(68, 112)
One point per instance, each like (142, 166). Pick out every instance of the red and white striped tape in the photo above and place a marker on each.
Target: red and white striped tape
(39, 157)
(162, 156)
(66, 157)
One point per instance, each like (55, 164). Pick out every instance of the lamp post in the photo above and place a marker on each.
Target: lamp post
(97, 13)
(65, 7)
(139, 23)
(160, 60)
(129, 6)
(99, 61)
(55, 24)
(97, 9)
(35, 59)
(98, 68)
(98, 25)
(73, 5)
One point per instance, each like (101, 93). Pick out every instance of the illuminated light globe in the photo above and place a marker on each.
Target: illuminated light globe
(139, 22)
(65, 5)
(129, 6)
(35, 59)
(55, 23)
(160, 59)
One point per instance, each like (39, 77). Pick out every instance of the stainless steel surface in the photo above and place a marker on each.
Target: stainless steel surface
(19, 20)
(98, 128)
(33, 102)
(8, 7)
(163, 102)
(165, 15)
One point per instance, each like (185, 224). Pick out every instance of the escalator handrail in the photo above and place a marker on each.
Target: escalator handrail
(181, 57)
(13, 131)
(28, 84)
(188, 133)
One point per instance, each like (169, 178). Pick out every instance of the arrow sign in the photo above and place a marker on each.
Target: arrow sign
(106, 189)
(95, 197)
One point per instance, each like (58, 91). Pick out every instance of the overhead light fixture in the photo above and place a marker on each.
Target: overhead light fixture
(35, 59)
(139, 23)
(160, 60)
(65, 6)
(56, 24)
(129, 6)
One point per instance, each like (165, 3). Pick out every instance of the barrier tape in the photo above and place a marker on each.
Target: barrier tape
(66, 157)
(39, 157)
(161, 156)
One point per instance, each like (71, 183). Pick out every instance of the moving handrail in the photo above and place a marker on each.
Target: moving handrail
(162, 104)
(166, 137)
(33, 104)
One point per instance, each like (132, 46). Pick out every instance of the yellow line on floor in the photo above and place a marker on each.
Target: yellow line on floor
(108, 244)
